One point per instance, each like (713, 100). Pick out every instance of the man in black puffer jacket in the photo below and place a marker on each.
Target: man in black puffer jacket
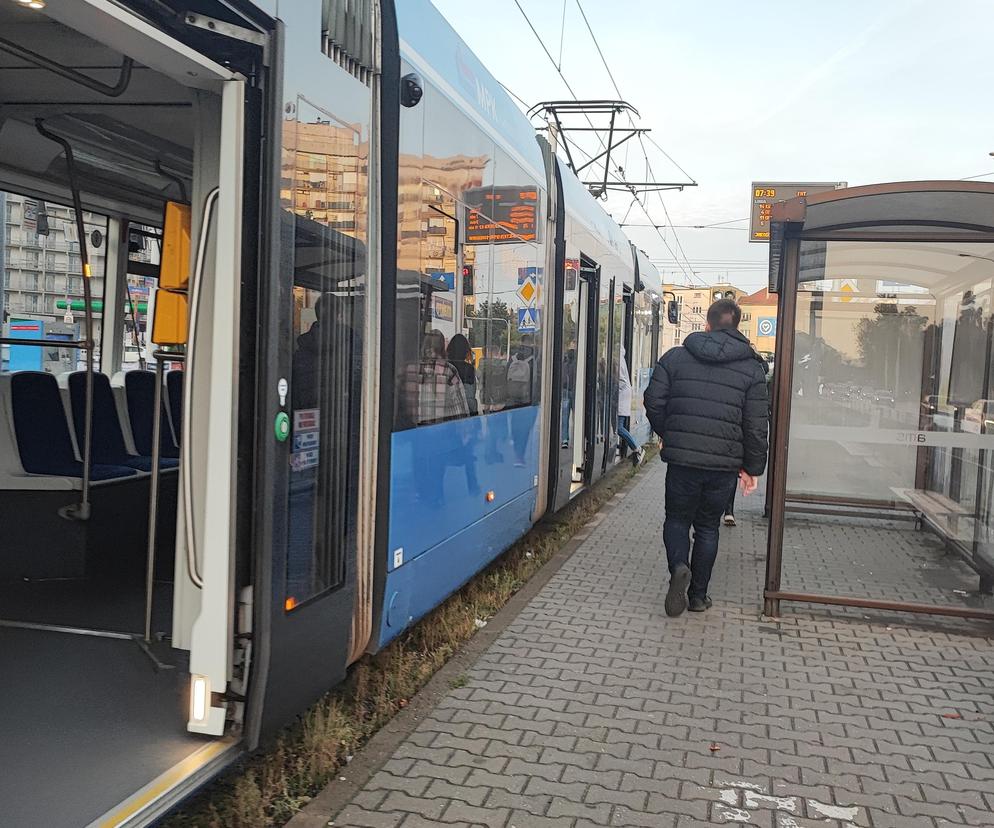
(707, 401)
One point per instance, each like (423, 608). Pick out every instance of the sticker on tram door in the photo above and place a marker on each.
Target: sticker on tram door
(300, 460)
(306, 419)
(398, 557)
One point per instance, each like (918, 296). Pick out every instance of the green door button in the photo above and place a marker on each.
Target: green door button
(282, 426)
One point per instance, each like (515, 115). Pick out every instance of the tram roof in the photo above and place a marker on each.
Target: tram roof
(428, 40)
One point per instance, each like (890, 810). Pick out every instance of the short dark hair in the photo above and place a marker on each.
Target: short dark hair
(724, 314)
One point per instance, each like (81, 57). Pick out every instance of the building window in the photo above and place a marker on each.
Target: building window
(746, 317)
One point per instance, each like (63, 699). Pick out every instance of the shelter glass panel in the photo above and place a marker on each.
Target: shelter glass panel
(892, 422)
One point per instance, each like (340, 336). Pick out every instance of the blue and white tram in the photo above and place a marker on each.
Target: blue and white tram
(386, 337)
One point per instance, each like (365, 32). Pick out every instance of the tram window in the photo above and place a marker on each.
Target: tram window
(518, 281)
(324, 173)
(443, 275)
(42, 297)
(468, 266)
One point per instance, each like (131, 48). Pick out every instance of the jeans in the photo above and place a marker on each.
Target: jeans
(567, 409)
(695, 497)
(730, 506)
(625, 434)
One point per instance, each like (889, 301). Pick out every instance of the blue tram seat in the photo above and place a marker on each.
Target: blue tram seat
(174, 400)
(107, 438)
(42, 432)
(139, 391)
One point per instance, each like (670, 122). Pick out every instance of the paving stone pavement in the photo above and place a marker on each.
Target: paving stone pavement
(594, 709)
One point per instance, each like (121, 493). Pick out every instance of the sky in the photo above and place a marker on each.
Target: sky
(860, 91)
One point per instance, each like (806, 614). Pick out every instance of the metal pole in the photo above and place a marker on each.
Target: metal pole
(153, 497)
(784, 380)
(80, 511)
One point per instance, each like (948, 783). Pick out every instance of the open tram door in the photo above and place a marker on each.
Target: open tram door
(99, 729)
(318, 360)
(586, 444)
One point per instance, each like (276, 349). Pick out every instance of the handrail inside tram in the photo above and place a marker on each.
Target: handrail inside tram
(81, 510)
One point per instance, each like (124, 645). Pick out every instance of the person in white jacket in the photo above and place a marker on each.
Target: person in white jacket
(625, 411)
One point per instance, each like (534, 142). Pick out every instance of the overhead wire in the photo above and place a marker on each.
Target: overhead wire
(593, 37)
(666, 212)
(651, 175)
(682, 226)
(687, 269)
(669, 157)
(514, 95)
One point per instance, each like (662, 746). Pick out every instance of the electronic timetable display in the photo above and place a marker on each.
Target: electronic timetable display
(501, 215)
(767, 193)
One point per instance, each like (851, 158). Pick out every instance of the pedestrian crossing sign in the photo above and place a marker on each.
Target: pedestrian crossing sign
(527, 320)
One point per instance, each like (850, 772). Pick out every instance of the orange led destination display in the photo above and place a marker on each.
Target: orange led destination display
(767, 193)
(501, 215)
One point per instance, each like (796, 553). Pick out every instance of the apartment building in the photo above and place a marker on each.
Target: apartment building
(694, 302)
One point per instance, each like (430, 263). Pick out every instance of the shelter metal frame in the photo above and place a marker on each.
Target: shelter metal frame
(787, 232)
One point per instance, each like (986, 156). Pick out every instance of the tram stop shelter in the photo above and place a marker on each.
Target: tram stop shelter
(883, 406)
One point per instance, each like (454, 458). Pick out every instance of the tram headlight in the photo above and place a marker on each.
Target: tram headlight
(200, 698)
(31, 4)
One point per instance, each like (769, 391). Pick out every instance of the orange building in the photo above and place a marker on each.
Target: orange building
(759, 319)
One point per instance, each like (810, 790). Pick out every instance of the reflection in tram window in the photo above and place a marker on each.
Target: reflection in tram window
(323, 194)
(468, 268)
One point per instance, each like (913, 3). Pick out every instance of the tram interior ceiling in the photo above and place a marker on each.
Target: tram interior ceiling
(884, 401)
(88, 700)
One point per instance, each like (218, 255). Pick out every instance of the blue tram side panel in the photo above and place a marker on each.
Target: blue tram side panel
(459, 496)
(462, 491)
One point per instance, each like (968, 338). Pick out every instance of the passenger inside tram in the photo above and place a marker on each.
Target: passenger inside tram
(432, 391)
(461, 357)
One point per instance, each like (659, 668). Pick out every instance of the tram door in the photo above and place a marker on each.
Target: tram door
(310, 400)
(590, 380)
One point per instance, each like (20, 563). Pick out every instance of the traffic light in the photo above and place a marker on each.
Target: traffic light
(467, 280)
(673, 312)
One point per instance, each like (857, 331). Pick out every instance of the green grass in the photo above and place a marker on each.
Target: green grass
(268, 788)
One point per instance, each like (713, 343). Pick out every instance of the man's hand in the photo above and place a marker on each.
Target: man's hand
(747, 483)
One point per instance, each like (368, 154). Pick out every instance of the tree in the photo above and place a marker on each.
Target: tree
(890, 346)
(490, 332)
